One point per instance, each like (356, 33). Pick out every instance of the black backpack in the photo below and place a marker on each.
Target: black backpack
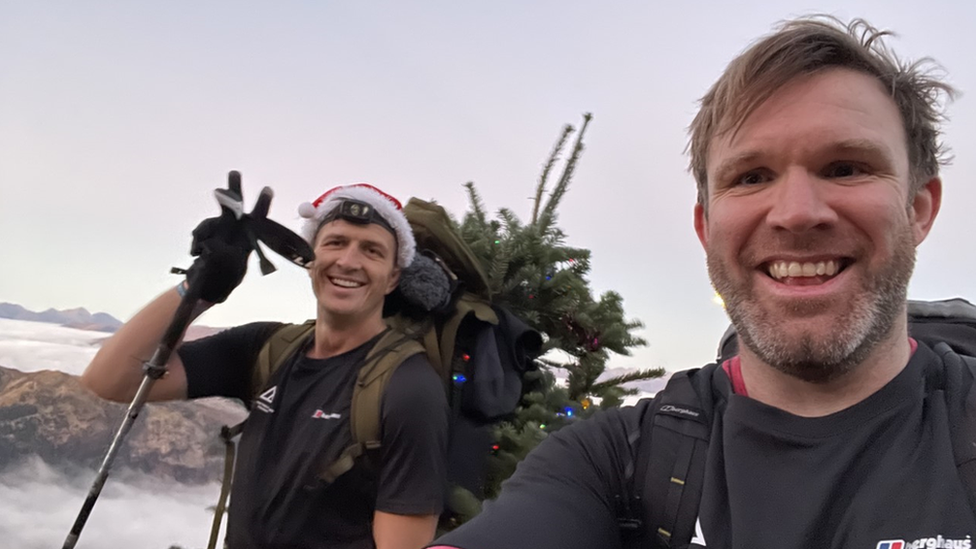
(669, 444)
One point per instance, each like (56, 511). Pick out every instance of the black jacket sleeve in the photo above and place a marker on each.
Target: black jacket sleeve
(564, 495)
(221, 364)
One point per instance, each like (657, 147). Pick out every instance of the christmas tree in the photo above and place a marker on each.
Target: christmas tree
(537, 275)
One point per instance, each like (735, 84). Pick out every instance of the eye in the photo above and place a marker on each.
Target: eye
(752, 177)
(374, 251)
(843, 169)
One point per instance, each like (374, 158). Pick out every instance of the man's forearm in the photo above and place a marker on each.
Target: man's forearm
(391, 531)
(116, 371)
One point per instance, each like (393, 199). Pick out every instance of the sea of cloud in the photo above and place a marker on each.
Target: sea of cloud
(38, 504)
(34, 346)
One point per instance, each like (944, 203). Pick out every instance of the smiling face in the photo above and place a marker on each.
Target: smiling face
(353, 271)
(808, 227)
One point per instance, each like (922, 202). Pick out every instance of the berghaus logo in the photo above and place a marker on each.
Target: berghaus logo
(680, 411)
(937, 542)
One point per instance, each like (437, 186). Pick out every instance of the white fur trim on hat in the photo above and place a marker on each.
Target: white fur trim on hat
(385, 205)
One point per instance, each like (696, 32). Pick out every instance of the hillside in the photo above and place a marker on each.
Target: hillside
(49, 414)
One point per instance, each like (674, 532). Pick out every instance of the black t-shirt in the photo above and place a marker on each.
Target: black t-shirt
(299, 422)
(878, 475)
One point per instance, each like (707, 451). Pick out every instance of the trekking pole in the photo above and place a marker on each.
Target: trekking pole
(154, 369)
(258, 228)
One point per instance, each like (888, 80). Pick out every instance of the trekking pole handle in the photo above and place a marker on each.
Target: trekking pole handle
(154, 369)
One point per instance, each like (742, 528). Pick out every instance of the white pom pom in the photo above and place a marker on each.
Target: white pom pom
(306, 210)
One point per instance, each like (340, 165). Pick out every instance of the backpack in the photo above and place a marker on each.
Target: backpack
(665, 477)
(480, 350)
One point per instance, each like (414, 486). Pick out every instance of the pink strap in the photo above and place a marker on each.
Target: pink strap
(733, 369)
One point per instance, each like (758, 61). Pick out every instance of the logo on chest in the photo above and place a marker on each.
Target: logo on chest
(319, 414)
(699, 539)
(937, 542)
(266, 399)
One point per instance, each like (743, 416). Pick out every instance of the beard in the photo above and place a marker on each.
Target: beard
(821, 357)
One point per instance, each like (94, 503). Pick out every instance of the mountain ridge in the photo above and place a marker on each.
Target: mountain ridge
(78, 317)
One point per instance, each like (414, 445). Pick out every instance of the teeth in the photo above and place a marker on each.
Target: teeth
(794, 269)
(345, 283)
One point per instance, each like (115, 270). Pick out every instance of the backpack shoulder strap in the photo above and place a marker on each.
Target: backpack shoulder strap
(367, 399)
(960, 394)
(965, 437)
(467, 304)
(670, 458)
(283, 343)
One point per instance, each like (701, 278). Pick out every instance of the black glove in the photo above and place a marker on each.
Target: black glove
(222, 247)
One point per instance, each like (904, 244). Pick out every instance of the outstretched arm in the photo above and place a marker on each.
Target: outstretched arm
(564, 495)
(116, 371)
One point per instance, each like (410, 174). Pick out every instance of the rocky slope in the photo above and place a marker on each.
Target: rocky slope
(50, 415)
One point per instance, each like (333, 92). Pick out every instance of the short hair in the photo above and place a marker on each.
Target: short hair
(810, 44)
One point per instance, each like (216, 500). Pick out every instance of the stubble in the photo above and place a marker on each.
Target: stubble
(868, 319)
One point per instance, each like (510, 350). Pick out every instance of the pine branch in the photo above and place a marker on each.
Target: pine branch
(477, 205)
(513, 225)
(549, 211)
(636, 375)
(550, 363)
(553, 157)
(498, 268)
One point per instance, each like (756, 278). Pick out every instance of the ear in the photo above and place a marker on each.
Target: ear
(394, 280)
(701, 225)
(924, 208)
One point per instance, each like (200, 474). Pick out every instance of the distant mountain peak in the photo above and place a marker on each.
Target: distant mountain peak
(78, 317)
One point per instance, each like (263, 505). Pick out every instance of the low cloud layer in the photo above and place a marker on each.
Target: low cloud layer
(34, 346)
(38, 506)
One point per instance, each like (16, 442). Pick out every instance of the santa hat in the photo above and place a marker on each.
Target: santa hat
(384, 205)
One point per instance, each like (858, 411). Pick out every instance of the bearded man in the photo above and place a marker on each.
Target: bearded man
(817, 157)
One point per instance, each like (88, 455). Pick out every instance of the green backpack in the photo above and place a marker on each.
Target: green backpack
(450, 336)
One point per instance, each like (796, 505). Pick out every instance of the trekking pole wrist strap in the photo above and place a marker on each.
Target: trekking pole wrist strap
(201, 306)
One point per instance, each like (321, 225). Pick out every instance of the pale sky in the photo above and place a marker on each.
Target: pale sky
(117, 119)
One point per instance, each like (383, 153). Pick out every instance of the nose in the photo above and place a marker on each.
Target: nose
(799, 203)
(348, 258)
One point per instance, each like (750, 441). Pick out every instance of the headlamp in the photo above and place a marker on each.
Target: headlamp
(358, 212)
